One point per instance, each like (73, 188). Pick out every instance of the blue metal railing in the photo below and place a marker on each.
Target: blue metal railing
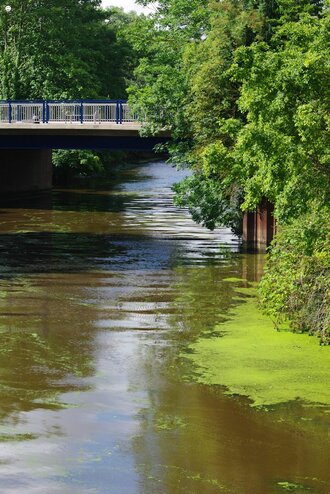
(66, 111)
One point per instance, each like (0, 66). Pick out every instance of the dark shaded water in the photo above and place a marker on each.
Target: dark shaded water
(101, 289)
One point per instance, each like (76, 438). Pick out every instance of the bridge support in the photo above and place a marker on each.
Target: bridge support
(259, 226)
(24, 170)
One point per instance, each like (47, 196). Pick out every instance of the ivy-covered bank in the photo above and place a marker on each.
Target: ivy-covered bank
(244, 86)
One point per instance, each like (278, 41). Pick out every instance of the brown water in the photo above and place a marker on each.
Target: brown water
(101, 289)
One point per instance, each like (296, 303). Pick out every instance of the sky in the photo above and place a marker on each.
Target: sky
(126, 4)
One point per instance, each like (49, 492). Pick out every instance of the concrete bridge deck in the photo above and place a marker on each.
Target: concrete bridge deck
(108, 128)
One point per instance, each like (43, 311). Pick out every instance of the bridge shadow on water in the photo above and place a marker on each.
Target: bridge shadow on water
(101, 194)
(68, 200)
(78, 228)
(53, 252)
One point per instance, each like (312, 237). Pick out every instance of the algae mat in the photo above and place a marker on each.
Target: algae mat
(252, 359)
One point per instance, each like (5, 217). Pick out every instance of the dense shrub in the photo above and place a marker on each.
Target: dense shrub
(82, 162)
(296, 284)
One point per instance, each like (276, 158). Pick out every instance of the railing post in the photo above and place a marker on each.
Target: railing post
(120, 113)
(117, 112)
(43, 111)
(47, 111)
(81, 112)
(9, 111)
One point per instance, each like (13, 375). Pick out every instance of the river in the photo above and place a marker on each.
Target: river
(103, 286)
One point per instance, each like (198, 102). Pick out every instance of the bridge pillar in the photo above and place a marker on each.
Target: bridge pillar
(24, 170)
(259, 226)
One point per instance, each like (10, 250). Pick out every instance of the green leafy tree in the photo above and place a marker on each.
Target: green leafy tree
(63, 49)
(283, 148)
(116, 58)
(47, 48)
(160, 87)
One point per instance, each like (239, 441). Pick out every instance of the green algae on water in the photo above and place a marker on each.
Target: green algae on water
(233, 280)
(291, 486)
(6, 438)
(169, 423)
(252, 359)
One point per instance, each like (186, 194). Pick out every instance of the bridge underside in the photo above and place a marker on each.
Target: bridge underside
(120, 143)
(25, 150)
(124, 137)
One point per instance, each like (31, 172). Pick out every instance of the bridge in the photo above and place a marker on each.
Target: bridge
(72, 124)
(30, 130)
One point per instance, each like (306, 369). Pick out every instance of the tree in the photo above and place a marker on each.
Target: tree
(160, 87)
(63, 49)
(114, 57)
(246, 102)
(295, 288)
(47, 52)
(283, 148)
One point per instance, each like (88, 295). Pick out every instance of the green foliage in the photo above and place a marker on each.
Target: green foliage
(159, 90)
(283, 148)
(47, 48)
(70, 163)
(249, 94)
(212, 93)
(208, 204)
(296, 284)
(63, 49)
(117, 59)
(78, 161)
(184, 83)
